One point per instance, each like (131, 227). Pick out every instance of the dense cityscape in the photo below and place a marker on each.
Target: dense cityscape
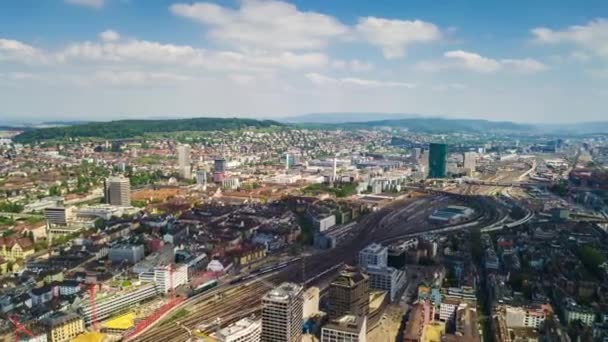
(284, 233)
(303, 171)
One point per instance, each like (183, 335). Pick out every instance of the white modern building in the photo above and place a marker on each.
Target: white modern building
(579, 313)
(324, 223)
(161, 277)
(110, 302)
(231, 183)
(347, 328)
(448, 308)
(245, 330)
(387, 279)
(373, 255)
(183, 161)
(282, 314)
(526, 317)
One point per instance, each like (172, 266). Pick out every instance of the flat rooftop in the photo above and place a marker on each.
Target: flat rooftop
(284, 292)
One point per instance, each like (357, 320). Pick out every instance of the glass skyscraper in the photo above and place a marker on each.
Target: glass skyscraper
(438, 154)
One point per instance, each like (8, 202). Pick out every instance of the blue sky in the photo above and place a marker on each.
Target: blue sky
(528, 61)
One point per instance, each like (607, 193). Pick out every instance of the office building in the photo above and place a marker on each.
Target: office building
(373, 255)
(118, 191)
(438, 154)
(59, 215)
(126, 253)
(469, 161)
(231, 183)
(348, 293)
(220, 165)
(527, 317)
(245, 330)
(373, 259)
(387, 279)
(161, 277)
(63, 326)
(108, 303)
(348, 328)
(201, 177)
(183, 161)
(282, 314)
(322, 223)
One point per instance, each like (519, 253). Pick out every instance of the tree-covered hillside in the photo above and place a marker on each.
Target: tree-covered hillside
(133, 128)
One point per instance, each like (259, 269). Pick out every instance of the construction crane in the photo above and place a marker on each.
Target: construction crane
(171, 272)
(92, 287)
(19, 328)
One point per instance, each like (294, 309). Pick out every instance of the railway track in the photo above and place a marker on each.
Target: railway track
(240, 300)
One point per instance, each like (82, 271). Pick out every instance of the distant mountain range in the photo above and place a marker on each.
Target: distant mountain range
(439, 125)
(436, 124)
(337, 118)
(122, 129)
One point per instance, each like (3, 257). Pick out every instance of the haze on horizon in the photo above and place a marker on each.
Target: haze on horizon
(540, 62)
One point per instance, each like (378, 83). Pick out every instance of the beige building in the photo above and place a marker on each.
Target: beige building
(63, 327)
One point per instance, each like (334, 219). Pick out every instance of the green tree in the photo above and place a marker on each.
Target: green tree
(54, 191)
(591, 259)
(10, 207)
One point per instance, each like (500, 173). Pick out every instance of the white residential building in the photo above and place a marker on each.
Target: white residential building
(245, 330)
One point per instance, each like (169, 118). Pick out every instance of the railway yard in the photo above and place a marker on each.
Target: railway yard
(233, 300)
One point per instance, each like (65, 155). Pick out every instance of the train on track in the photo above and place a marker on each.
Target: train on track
(262, 271)
(203, 287)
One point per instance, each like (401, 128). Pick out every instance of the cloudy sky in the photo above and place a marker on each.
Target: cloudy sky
(519, 60)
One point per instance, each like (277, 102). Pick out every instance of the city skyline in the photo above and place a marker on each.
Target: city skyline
(115, 59)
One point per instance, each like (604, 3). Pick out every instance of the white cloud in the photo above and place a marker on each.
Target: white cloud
(87, 3)
(472, 61)
(395, 36)
(109, 36)
(320, 79)
(142, 51)
(137, 77)
(593, 36)
(464, 60)
(263, 24)
(353, 65)
(241, 79)
(449, 86)
(20, 76)
(526, 65)
(14, 50)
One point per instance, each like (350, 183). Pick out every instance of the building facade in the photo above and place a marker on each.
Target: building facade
(245, 330)
(282, 314)
(118, 191)
(347, 328)
(438, 155)
(63, 327)
(373, 255)
(183, 161)
(348, 294)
